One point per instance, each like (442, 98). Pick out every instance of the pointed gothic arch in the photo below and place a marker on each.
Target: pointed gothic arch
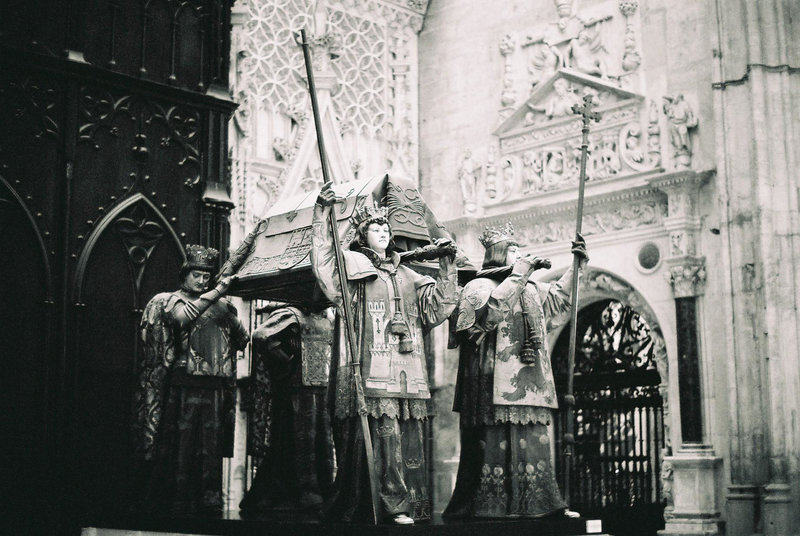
(135, 251)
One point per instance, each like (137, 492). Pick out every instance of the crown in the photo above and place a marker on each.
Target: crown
(493, 235)
(365, 213)
(201, 257)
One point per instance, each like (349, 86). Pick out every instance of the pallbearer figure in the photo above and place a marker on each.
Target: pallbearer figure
(392, 306)
(185, 393)
(293, 348)
(505, 392)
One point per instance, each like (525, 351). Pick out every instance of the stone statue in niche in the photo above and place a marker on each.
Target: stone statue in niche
(468, 180)
(681, 119)
(609, 158)
(561, 103)
(554, 169)
(531, 172)
(509, 176)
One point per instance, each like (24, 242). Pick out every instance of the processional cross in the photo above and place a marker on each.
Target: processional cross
(587, 113)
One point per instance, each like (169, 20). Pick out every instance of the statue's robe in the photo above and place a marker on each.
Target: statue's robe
(185, 402)
(506, 406)
(294, 350)
(395, 384)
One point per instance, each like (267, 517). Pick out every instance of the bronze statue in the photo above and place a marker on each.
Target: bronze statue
(292, 347)
(505, 392)
(393, 306)
(185, 394)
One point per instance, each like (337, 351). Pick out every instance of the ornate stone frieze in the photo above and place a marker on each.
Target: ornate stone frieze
(619, 218)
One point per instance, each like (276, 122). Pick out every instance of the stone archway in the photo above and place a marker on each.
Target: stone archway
(621, 417)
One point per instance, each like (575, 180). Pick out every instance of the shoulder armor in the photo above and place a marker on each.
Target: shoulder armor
(278, 320)
(474, 297)
(358, 266)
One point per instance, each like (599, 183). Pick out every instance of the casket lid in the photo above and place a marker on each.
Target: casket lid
(278, 266)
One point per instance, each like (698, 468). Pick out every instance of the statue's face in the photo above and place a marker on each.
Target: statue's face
(511, 255)
(378, 236)
(196, 281)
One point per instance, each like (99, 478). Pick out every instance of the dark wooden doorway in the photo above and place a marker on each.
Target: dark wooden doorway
(618, 419)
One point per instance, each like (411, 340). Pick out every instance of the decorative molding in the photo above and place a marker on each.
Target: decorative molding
(687, 278)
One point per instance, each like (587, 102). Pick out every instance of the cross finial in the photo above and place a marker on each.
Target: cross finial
(586, 111)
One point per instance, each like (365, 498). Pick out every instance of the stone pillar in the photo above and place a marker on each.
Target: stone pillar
(690, 474)
(756, 83)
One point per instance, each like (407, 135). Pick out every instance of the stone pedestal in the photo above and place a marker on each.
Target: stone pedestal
(694, 490)
(777, 510)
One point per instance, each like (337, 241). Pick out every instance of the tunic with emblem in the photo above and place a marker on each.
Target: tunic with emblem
(506, 404)
(395, 383)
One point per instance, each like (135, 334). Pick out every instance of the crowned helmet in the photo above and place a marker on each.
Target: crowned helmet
(366, 214)
(492, 235)
(200, 258)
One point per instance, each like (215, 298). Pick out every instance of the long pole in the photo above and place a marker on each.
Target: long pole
(347, 307)
(587, 115)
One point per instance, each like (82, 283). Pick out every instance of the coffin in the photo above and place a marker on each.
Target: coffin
(278, 266)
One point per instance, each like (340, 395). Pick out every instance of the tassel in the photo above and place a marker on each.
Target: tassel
(406, 345)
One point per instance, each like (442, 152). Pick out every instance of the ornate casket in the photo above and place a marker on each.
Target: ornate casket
(277, 265)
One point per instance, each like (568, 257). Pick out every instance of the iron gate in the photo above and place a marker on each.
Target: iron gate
(619, 426)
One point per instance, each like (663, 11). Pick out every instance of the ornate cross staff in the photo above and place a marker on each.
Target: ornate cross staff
(347, 307)
(587, 115)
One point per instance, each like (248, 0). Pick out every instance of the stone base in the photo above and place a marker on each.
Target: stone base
(695, 509)
(230, 524)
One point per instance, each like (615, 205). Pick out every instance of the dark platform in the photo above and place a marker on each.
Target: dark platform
(232, 524)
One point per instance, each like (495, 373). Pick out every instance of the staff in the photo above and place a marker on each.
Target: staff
(347, 308)
(587, 114)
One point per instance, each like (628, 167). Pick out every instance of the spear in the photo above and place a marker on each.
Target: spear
(587, 114)
(347, 308)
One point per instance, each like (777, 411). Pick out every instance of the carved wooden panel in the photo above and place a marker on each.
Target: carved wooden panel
(176, 42)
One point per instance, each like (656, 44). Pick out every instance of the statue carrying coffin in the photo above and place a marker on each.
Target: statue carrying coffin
(274, 260)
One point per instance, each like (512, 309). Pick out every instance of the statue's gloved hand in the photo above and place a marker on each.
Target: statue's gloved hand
(225, 283)
(579, 247)
(525, 266)
(326, 196)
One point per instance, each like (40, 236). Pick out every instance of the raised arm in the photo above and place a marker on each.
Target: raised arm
(323, 255)
(437, 298)
(187, 312)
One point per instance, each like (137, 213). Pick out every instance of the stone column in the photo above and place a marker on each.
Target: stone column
(756, 83)
(691, 472)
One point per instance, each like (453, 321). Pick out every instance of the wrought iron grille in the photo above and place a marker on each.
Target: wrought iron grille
(619, 417)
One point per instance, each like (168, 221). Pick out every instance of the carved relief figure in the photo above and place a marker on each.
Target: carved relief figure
(554, 169)
(505, 393)
(561, 103)
(681, 119)
(185, 392)
(609, 158)
(531, 172)
(583, 53)
(468, 180)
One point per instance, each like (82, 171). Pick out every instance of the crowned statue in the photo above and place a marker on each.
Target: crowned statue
(505, 393)
(185, 392)
(392, 306)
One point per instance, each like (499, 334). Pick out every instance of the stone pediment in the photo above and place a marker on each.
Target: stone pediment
(550, 104)
(540, 143)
